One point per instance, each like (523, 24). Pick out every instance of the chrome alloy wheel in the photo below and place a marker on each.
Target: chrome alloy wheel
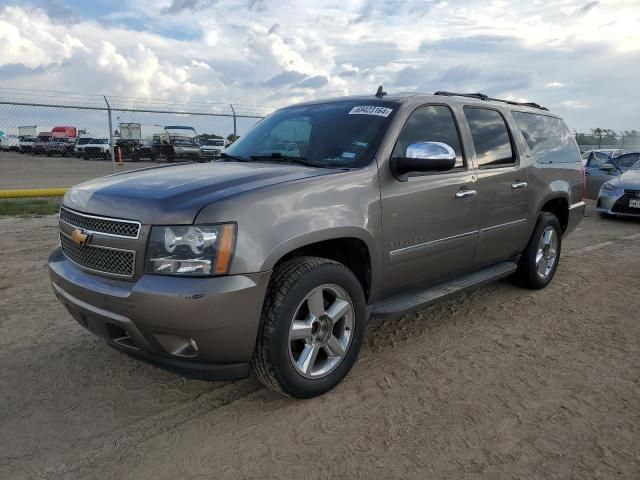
(547, 253)
(321, 331)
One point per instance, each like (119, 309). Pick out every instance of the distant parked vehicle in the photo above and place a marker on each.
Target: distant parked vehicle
(39, 146)
(620, 196)
(96, 148)
(603, 154)
(602, 165)
(26, 143)
(62, 146)
(177, 143)
(81, 142)
(212, 149)
(134, 149)
(10, 143)
(65, 131)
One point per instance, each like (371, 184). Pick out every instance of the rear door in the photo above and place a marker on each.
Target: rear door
(503, 189)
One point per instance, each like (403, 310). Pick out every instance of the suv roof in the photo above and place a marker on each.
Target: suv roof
(437, 97)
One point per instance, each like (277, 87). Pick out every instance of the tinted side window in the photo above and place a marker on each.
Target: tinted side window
(549, 139)
(490, 137)
(433, 123)
(625, 162)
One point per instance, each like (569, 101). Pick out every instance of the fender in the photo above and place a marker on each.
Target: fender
(310, 238)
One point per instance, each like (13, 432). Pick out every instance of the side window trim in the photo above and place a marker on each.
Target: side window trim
(465, 161)
(514, 150)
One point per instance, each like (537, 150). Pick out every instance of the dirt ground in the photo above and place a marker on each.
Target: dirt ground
(19, 171)
(500, 382)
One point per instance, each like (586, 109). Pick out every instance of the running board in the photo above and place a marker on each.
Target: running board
(409, 302)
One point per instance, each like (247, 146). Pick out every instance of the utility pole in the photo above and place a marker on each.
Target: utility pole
(113, 156)
(235, 127)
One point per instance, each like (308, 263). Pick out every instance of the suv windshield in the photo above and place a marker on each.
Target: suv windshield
(333, 135)
(84, 141)
(214, 143)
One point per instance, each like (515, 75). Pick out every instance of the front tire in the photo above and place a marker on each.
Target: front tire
(311, 327)
(540, 258)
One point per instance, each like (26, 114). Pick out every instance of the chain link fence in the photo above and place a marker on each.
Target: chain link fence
(606, 139)
(50, 141)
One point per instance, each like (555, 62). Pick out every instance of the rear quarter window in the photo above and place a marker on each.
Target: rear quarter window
(548, 138)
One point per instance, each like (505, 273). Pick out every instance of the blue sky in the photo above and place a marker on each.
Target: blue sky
(580, 58)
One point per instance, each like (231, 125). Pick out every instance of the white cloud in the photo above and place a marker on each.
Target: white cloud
(274, 53)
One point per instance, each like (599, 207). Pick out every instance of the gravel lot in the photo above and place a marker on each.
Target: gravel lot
(19, 171)
(500, 382)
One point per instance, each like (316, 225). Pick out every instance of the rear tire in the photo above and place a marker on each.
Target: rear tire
(339, 316)
(540, 258)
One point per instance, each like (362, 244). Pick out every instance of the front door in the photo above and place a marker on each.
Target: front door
(595, 177)
(430, 221)
(503, 189)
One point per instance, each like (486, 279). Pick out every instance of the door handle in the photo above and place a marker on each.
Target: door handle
(465, 193)
(586, 174)
(519, 185)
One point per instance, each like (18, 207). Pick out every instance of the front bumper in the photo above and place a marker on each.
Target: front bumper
(616, 205)
(156, 317)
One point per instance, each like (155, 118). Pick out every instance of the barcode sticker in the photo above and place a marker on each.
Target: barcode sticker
(371, 110)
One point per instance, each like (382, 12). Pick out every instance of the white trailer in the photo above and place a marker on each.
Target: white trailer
(138, 131)
(28, 131)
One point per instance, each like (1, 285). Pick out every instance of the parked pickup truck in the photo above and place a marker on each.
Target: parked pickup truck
(62, 146)
(275, 259)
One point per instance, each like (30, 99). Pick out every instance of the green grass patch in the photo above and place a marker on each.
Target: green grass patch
(30, 206)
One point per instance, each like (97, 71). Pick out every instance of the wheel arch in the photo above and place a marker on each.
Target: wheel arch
(349, 246)
(558, 204)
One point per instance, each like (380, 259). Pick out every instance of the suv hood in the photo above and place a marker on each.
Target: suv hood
(174, 194)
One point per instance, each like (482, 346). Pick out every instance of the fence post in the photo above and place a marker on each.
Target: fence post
(113, 157)
(235, 127)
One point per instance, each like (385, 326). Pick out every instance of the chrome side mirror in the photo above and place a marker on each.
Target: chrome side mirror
(423, 157)
(431, 151)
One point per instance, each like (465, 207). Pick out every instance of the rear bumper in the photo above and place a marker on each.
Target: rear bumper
(576, 214)
(156, 318)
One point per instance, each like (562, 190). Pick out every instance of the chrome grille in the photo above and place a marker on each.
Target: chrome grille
(99, 259)
(102, 225)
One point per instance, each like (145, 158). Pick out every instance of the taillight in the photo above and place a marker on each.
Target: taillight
(584, 180)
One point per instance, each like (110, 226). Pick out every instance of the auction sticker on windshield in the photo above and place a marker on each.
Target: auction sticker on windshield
(371, 110)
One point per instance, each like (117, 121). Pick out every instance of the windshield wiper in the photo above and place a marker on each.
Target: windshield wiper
(226, 158)
(278, 157)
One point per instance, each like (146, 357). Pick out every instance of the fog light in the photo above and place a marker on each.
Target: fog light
(177, 345)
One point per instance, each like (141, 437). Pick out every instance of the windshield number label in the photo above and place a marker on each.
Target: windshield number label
(371, 110)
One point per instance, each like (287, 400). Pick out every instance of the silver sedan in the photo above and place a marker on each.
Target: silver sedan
(621, 195)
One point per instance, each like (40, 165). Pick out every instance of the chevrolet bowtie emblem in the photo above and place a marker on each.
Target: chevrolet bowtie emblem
(79, 237)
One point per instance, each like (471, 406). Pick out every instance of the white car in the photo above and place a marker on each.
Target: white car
(26, 143)
(10, 143)
(212, 148)
(89, 148)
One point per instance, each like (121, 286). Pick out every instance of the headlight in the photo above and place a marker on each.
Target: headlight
(610, 188)
(197, 250)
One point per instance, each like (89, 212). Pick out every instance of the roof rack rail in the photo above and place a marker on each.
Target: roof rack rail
(482, 96)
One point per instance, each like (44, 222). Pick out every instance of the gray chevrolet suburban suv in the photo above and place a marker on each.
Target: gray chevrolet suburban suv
(324, 215)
